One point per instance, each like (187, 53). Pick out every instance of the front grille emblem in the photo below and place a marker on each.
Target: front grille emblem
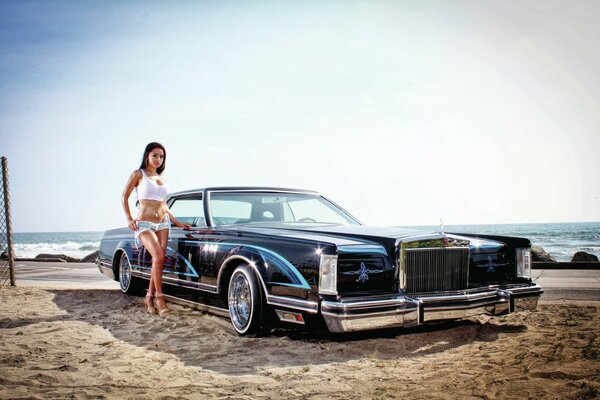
(362, 273)
(490, 266)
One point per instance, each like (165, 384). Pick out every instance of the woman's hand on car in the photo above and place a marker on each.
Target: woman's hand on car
(131, 223)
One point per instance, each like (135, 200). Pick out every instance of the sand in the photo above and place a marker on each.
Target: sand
(101, 344)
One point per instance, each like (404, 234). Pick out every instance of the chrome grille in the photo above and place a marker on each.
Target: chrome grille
(435, 269)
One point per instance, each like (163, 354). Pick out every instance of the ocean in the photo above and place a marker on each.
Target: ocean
(74, 244)
(561, 240)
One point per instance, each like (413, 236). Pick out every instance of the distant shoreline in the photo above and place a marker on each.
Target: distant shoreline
(560, 240)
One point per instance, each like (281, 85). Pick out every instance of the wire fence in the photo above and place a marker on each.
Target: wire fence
(7, 267)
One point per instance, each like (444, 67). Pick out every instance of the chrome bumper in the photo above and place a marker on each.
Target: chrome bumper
(106, 269)
(411, 310)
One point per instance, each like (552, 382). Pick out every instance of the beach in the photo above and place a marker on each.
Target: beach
(94, 342)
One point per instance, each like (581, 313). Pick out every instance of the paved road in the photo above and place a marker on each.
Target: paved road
(577, 284)
(558, 284)
(62, 275)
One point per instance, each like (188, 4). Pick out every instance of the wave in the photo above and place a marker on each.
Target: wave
(73, 249)
(589, 248)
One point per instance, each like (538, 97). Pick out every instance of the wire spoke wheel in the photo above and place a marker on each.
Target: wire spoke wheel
(240, 301)
(124, 273)
(129, 284)
(245, 301)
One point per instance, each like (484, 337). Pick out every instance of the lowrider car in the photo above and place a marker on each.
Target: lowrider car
(270, 256)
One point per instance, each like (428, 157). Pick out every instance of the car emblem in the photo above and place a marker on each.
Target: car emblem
(362, 273)
(490, 266)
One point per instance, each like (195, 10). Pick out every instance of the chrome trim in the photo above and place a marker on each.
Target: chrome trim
(375, 322)
(465, 306)
(438, 256)
(453, 240)
(341, 208)
(103, 264)
(439, 315)
(411, 310)
(106, 271)
(436, 248)
(524, 289)
(176, 283)
(207, 211)
(370, 314)
(456, 297)
(297, 304)
(361, 305)
(199, 306)
(404, 314)
(262, 190)
(179, 282)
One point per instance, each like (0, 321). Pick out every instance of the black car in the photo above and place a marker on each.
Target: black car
(265, 256)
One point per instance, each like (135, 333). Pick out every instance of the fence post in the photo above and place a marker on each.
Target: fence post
(6, 195)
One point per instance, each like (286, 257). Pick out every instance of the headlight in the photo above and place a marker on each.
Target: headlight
(328, 274)
(524, 263)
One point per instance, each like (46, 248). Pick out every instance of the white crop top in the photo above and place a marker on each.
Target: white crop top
(150, 190)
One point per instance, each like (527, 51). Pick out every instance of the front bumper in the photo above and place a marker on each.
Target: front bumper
(357, 314)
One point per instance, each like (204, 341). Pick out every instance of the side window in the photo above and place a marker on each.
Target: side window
(189, 210)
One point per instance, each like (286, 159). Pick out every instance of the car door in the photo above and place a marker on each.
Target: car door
(184, 247)
(227, 214)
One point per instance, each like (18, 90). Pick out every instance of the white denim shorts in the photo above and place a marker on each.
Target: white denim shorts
(144, 226)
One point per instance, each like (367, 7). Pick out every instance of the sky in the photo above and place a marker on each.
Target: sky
(402, 112)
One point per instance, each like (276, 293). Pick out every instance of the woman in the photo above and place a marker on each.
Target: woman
(153, 220)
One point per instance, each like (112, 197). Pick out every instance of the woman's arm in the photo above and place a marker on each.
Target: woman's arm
(176, 221)
(132, 182)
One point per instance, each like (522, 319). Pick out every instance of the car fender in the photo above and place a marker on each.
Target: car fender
(125, 247)
(265, 264)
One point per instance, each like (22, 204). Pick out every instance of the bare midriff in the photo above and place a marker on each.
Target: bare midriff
(152, 211)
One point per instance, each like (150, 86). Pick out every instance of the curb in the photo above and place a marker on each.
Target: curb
(566, 265)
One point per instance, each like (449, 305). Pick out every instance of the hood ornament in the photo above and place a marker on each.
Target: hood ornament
(441, 225)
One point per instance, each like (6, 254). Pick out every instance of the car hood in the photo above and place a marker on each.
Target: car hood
(360, 234)
(357, 232)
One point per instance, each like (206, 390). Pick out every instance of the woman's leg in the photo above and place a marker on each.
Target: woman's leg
(162, 236)
(152, 244)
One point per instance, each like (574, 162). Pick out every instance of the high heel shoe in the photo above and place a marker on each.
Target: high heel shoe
(148, 301)
(161, 305)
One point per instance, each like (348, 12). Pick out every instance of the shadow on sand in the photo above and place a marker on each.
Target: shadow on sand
(209, 342)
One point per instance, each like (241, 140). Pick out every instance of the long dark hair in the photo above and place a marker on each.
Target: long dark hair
(149, 147)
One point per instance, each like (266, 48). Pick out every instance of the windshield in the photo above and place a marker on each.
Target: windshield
(229, 208)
